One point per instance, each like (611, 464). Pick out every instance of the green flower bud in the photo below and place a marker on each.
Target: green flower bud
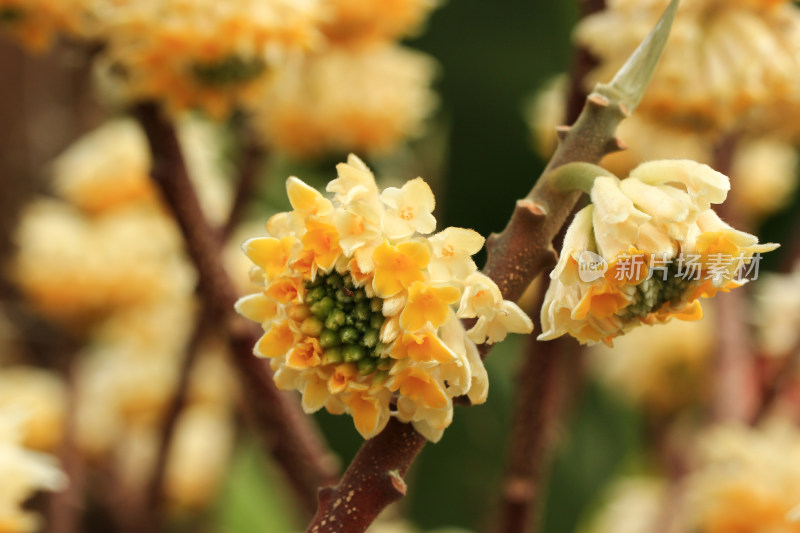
(314, 294)
(361, 311)
(332, 356)
(370, 338)
(336, 319)
(352, 353)
(385, 363)
(328, 338)
(376, 320)
(376, 304)
(367, 366)
(349, 335)
(334, 280)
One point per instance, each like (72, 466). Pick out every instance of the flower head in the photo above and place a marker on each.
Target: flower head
(644, 251)
(353, 314)
(337, 100)
(204, 54)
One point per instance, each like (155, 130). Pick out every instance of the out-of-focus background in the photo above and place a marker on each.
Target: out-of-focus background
(478, 153)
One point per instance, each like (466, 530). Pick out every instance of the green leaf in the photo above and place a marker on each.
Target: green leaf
(630, 82)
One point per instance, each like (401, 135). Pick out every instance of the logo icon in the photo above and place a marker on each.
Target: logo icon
(591, 266)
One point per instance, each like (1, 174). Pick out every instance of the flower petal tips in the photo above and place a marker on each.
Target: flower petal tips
(357, 303)
(644, 251)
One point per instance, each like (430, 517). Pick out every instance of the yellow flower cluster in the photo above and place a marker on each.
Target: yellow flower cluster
(763, 168)
(746, 479)
(356, 303)
(726, 62)
(644, 251)
(203, 53)
(340, 100)
(23, 473)
(35, 23)
(359, 22)
(108, 259)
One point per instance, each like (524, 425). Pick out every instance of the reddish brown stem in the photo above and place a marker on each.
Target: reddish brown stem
(735, 387)
(536, 411)
(291, 436)
(373, 480)
(151, 512)
(251, 162)
(66, 507)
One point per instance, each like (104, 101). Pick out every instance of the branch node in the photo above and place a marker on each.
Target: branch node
(562, 132)
(398, 483)
(598, 100)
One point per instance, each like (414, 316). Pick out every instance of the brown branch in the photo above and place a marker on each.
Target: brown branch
(735, 388)
(537, 409)
(292, 438)
(151, 511)
(251, 162)
(66, 507)
(780, 381)
(373, 480)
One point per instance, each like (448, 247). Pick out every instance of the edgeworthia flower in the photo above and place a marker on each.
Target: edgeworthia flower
(358, 303)
(23, 472)
(644, 251)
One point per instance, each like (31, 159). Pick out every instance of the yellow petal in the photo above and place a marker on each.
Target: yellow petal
(275, 342)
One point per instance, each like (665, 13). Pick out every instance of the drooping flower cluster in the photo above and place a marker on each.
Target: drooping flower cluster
(23, 473)
(203, 53)
(644, 251)
(726, 63)
(356, 303)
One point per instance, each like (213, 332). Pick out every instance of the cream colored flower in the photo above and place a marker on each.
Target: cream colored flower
(453, 249)
(776, 313)
(763, 168)
(409, 210)
(745, 479)
(644, 251)
(631, 505)
(725, 64)
(41, 396)
(363, 22)
(23, 473)
(366, 100)
(204, 54)
(358, 334)
(496, 317)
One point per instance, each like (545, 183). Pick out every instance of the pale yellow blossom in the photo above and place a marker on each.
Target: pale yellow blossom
(368, 100)
(644, 251)
(359, 335)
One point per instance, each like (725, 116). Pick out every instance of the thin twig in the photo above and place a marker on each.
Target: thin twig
(251, 161)
(735, 391)
(779, 383)
(153, 498)
(292, 438)
(66, 507)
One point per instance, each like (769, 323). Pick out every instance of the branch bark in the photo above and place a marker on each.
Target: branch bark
(252, 159)
(293, 440)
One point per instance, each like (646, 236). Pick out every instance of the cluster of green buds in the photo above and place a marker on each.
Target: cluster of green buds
(665, 285)
(230, 70)
(346, 322)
